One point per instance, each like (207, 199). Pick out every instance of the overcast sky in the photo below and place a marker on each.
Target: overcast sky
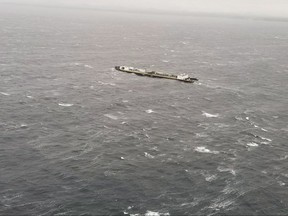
(274, 8)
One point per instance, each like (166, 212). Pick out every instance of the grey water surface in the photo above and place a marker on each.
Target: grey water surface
(79, 138)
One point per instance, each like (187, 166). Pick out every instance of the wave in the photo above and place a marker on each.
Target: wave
(224, 169)
(209, 115)
(208, 177)
(111, 116)
(88, 66)
(147, 155)
(148, 213)
(65, 104)
(149, 111)
(252, 144)
(151, 213)
(4, 93)
(203, 149)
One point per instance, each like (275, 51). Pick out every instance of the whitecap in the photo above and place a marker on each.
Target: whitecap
(203, 149)
(147, 155)
(149, 111)
(23, 126)
(252, 144)
(238, 118)
(125, 101)
(264, 172)
(267, 139)
(29, 96)
(111, 116)
(65, 104)
(233, 172)
(263, 129)
(222, 169)
(88, 66)
(284, 158)
(166, 61)
(209, 115)
(210, 178)
(151, 213)
(4, 93)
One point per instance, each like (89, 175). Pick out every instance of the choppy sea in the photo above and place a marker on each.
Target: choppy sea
(79, 138)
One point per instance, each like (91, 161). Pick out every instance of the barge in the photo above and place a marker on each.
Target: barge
(155, 74)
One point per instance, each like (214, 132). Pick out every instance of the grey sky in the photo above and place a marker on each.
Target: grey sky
(275, 8)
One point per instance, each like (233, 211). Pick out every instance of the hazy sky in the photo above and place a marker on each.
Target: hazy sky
(276, 8)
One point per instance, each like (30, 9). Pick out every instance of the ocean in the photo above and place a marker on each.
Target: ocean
(78, 137)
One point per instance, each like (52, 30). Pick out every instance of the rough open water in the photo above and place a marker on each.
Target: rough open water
(79, 138)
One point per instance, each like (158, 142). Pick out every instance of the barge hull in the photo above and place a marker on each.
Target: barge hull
(154, 74)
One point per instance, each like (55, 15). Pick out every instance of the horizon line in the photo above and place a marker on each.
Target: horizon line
(159, 12)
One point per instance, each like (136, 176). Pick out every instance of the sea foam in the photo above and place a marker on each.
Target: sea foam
(4, 93)
(88, 66)
(209, 115)
(151, 213)
(223, 169)
(149, 111)
(147, 155)
(252, 144)
(203, 149)
(65, 104)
